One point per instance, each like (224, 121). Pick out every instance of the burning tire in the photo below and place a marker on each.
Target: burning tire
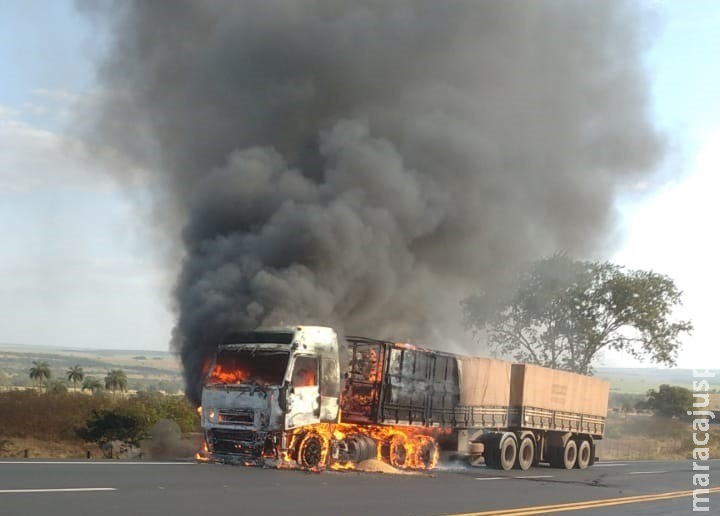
(426, 452)
(312, 451)
(397, 451)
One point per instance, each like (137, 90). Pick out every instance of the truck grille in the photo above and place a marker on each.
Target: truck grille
(236, 416)
(235, 442)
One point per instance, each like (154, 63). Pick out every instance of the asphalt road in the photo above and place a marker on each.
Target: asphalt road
(75, 488)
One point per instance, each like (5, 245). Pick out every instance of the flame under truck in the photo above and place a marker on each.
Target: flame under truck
(282, 396)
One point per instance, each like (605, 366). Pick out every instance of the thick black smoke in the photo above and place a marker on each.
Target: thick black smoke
(367, 164)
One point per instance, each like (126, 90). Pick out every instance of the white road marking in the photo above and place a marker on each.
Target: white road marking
(84, 463)
(491, 478)
(65, 490)
(606, 465)
(645, 472)
(537, 476)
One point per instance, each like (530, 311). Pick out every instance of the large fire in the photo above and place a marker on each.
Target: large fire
(345, 446)
(401, 447)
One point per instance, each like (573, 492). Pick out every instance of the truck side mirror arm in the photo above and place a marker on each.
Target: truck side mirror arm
(285, 390)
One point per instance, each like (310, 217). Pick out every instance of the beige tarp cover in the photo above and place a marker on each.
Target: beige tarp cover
(545, 388)
(484, 382)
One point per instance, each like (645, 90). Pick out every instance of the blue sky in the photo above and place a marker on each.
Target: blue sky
(79, 268)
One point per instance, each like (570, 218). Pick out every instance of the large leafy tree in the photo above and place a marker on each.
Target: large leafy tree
(116, 380)
(75, 375)
(561, 312)
(40, 372)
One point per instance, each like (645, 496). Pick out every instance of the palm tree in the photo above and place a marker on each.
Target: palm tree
(116, 380)
(92, 384)
(75, 374)
(40, 372)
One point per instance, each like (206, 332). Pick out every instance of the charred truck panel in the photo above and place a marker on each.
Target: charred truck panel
(278, 395)
(391, 383)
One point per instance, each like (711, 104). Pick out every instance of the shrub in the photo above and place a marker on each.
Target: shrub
(107, 425)
(51, 416)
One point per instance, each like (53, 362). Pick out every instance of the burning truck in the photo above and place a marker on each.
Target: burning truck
(281, 397)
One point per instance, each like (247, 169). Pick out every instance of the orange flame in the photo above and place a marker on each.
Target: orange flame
(304, 378)
(204, 454)
(401, 447)
(221, 375)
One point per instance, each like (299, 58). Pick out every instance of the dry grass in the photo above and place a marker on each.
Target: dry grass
(651, 438)
(46, 424)
(18, 447)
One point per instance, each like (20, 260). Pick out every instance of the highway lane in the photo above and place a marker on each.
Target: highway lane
(184, 488)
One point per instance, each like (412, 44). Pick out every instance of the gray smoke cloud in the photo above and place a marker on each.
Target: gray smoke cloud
(368, 164)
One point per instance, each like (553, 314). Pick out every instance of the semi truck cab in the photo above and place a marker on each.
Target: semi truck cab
(262, 384)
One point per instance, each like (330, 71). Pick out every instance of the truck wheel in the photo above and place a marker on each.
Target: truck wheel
(584, 453)
(569, 456)
(508, 453)
(426, 452)
(360, 447)
(311, 451)
(525, 454)
(397, 454)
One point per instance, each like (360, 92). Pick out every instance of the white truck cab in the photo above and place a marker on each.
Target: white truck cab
(261, 384)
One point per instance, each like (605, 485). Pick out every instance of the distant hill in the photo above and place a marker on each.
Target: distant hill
(144, 368)
(640, 380)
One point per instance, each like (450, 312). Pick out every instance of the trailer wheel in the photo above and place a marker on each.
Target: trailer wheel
(426, 452)
(584, 454)
(569, 456)
(360, 447)
(397, 451)
(508, 453)
(311, 451)
(525, 454)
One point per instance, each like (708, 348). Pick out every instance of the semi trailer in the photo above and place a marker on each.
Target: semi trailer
(296, 397)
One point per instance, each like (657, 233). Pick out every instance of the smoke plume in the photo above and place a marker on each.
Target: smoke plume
(368, 164)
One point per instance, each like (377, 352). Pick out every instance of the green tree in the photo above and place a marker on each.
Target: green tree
(92, 384)
(116, 380)
(40, 373)
(109, 425)
(561, 312)
(75, 374)
(670, 401)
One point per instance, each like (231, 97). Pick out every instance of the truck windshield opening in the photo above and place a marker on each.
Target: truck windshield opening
(248, 367)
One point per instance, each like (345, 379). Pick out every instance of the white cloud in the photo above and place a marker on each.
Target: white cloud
(78, 267)
(674, 233)
(31, 157)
